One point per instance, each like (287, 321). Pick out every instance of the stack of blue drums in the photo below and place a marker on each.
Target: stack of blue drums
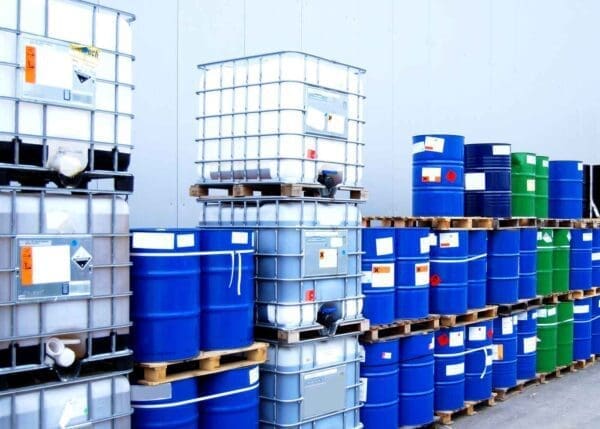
(412, 273)
(596, 256)
(505, 352)
(478, 361)
(378, 266)
(449, 272)
(477, 267)
(503, 266)
(527, 344)
(487, 180)
(565, 189)
(449, 368)
(596, 325)
(438, 175)
(580, 275)
(528, 263)
(582, 328)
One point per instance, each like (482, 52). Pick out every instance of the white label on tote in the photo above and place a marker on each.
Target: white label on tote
(580, 166)
(581, 309)
(456, 369)
(424, 244)
(433, 239)
(76, 407)
(475, 181)
(186, 240)
(384, 246)
(418, 147)
(507, 326)
(239, 237)
(153, 240)
(449, 240)
(253, 375)
(500, 150)
(431, 175)
(529, 345)
(328, 258)
(336, 242)
(456, 339)
(530, 159)
(434, 144)
(542, 312)
(522, 316)
(477, 333)
(551, 312)
(596, 256)
(530, 185)
(422, 274)
(363, 389)
(587, 236)
(382, 275)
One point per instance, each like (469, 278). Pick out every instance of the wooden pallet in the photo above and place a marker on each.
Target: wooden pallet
(401, 328)
(555, 298)
(293, 336)
(555, 223)
(515, 222)
(505, 393)
(584, 363)
(557, 373)
(470, 408)
(520, 305)
(205, 363)
(205, 191)
(471, 316)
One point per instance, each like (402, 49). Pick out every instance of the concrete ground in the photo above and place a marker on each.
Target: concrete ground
(570, 402)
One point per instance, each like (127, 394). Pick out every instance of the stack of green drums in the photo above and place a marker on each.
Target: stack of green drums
(545, 255)
(547, 335)
(541, 187)
(561, 260)
(564, 332)
(523, 176)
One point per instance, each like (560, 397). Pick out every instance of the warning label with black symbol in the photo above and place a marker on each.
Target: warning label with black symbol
(81, 258)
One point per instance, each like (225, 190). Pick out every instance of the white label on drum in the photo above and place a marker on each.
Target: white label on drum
(581, 309)
(382, 275)
(547, 238)
(386, 355)
(498, 352)
(551, 312)
(434, 144)
(449, 240)
(530, 159)
(431, 175)
(545, 163)
(422, 274)
(186, 240)
(475, 181)
(456, 369)
(432, 342)
(587, 236)
(153, 240)
(501, 150)
(534, 314)
(366, 277)
(507, 326)
(253, 375)
(489, 359)
(457, 339)
(530, 185)
(515, 320)
(529, 345)
(433, 239)
(424, 244)
(363, 389)
(568, 237)
(328, 258)
(539, 235)
(336, 242)
(238, 237)
(596, 256)
(384, 246)
(418, 147)
(522, 316)
(477, 333)
(580, 166)
(542, 312)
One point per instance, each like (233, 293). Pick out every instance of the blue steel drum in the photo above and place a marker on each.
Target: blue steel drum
(412, 273)
(416, 380)
(503, 266)
(449, 273)
(167, 406)
(487, 180)
(528, 263)
(230, 399)
(596, 257)
(565, 190)
(165, 305)
(580, 257)
(527, 344)
(478, 361)
(381, 371)
(582, 328)
(378, 265)
(505, 352)
(477, 268)
(438, 175)
(596, 325)
(227, 315)
(449, 368)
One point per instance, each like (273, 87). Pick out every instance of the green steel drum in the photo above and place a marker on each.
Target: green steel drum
(561, 260)
(523, 168)
(541, 186)
(544, 261)
(546, 332)
(564, 333)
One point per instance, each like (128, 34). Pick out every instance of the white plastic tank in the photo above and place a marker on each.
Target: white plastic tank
(60, 255)
(308, 256)
(312, 384)
(101, 402)
(66, 76)
(280, 117)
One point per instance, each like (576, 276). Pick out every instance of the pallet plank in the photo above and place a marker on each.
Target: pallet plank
(471, 316)
(249, 189)
(401, 328)
(293, 336)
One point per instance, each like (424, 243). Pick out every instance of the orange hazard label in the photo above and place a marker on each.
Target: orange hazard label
(30, 64)
(381, 269)
(26, 266)
(421, 268)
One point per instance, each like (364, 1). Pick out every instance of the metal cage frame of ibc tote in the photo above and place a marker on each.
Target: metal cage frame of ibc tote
(117, 348)
(111, 147)
(358, 143)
